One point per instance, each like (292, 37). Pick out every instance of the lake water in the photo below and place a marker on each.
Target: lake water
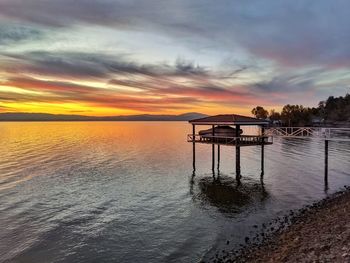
(124, 191)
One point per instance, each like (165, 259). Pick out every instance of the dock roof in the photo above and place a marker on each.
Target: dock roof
(228, 119)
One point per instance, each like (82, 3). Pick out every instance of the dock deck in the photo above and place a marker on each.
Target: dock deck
(243, 140)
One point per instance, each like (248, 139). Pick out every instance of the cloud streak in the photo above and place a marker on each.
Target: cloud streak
(13, 34)
(91, 65)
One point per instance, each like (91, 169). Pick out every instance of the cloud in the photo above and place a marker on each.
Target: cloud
(58, 87)
(291, 33)
(93, 65)
(297, 33)
(60, 64)
(286, 84)
(10, 34)
(57, 13)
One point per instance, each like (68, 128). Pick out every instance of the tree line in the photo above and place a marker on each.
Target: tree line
(334, 109)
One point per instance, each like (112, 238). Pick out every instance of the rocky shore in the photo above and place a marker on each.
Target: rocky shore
(317, 233)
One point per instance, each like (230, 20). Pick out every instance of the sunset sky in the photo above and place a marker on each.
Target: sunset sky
(119, 57)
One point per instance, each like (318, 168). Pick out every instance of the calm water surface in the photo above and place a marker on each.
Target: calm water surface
(124, 192)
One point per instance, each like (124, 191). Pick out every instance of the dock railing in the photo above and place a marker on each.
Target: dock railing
(318, 132)
(227, 140)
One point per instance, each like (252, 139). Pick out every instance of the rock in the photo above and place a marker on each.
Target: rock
(325, 247)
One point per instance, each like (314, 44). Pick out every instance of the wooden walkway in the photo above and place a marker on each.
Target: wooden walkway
(334, 134)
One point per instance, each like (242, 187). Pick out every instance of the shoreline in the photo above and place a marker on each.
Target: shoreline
(316, 233)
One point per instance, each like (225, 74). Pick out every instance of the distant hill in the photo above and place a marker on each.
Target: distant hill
(60, 117)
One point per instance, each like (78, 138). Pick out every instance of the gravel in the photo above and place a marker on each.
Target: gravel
(317, 233)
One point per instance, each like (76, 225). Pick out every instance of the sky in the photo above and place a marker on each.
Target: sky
(121, 57)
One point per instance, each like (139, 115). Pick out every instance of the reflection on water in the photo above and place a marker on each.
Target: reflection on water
(225, 193)
(123, 191)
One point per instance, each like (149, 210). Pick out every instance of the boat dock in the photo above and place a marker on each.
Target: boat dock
(226, 131)
(222, 133)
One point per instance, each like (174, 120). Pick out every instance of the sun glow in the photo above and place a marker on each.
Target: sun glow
(63, 108)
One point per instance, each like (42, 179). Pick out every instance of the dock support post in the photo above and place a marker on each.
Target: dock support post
(218, 157)
(326, 163)
(194, 147)
(238, 162)
(238, 153)
(262, 153)
(262, 161)
(213, 150)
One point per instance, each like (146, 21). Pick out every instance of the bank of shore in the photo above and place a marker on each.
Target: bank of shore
(319, 233)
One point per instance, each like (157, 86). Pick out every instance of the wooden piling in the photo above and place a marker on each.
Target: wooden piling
(194, 147)
(262, 160)
(238, 153)
(262, 153)
(218, 157)
(213, 150)
(326, 162)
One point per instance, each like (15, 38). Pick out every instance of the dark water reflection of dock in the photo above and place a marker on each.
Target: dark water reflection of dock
(227, 194)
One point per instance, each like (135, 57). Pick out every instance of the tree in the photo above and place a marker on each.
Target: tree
(259, 112)
(337, 109)
(334, 109)
(296, 115)
(274, 115)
